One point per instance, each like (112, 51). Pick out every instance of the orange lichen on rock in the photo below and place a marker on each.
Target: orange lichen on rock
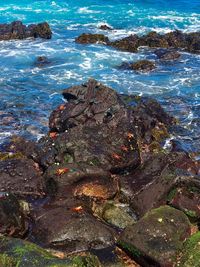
(53, 135)
(62, 171)
(92, 190)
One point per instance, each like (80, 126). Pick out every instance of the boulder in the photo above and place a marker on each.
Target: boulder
(105, 27)
(156, 239)
(16, 252)
(72, 230)
(21, 177)
(129, 44)
(16, 30)
(89, 38)
(42, 61)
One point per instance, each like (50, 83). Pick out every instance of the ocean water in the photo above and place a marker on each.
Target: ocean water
(29, 93)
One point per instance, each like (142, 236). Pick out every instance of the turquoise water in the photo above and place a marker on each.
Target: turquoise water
(29, 93)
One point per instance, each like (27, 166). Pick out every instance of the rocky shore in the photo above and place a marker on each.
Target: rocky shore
(99, 189)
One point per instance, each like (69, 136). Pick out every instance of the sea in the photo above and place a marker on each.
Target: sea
(29, 93)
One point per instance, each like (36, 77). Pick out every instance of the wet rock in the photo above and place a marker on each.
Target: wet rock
(186, 198)
(72, 230)
(80, 180)
(17, 252)
(16, 30)
(129, 44)
(105, 27)
(190, 254)
(42, 61)
(167, 55)
(21, 176)
(149, 185)
(155, 239)
(113, 213)
(143, 66)
(154, 39)
(194, 42)
(12, 219)
(89, 38)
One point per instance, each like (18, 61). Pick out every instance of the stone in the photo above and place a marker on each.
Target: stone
(190, 253)
(156, 239)
(16, 30)
(21, 177)
(167, 55)
(129, 44)
(89, 38)
(143, 66)
(71, 229)
(17, 252)
(12, 219)
(105, 27)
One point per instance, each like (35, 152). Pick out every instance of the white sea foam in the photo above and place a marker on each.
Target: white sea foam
(86, 10)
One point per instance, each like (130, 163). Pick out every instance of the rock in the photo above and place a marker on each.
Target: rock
(129, 44)
(186, 198)
(155, 239)
(194, 42)
(16, 30)
(21, 177)
(80, 180)
(149, 185)
(42, 61)
(105, 27)
(190, 254)
(17, 252)
(143, 66)
(73, 230)
(12, 219)
(154, 39)
(89, 38)
(167, 55)
(115, 214)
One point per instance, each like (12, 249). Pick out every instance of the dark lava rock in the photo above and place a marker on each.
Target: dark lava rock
(42, 61)
(167, 55)
(153, 39)
(21, 176)
(71, 230)
(105, 27)
(187, 199)
(190, 254)
(12, 219)
(89, 38)
(156, 239)
(17, 252)
(150, 184)
(143, 66)
(129, 44)
(16, 30)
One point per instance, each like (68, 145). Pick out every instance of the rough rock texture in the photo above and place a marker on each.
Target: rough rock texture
(156, 238)
(190, 254)
(16, 252)
(16, 30)
(143, 66)
(105, 27)
(12, 219)
(88, 38)
(167, 54)
(72, 230)
(130, 43)
(21, 176)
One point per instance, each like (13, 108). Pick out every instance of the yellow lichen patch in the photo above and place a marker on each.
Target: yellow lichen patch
(92, 190)
(160, 132)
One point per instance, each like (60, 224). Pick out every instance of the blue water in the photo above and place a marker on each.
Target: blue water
(29, 93)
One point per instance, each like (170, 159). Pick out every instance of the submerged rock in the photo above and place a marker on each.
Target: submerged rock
(16, 30)
(89, 38)
(156, 239)
(42, 61)
(16, 252)
(12, 219)
(167, 55)
(143, 66)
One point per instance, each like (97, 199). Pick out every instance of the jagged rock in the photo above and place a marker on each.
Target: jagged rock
(89, 38)
(156, 238)
(129, 44)
(16, 30)
(105, 27)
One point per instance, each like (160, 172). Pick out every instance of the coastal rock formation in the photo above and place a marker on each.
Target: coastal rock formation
(167, 54)
(143, 66)
(17, 30)
(87, 38)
